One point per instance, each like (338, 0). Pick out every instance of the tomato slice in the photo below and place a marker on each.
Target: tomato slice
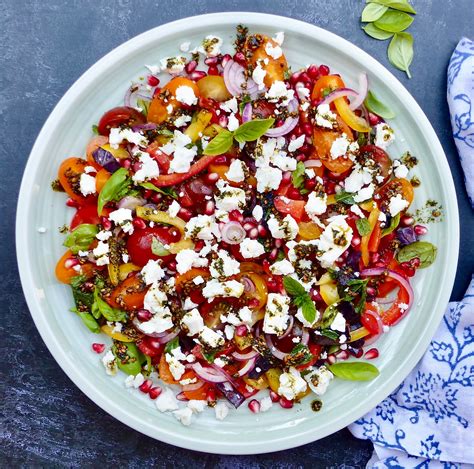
(394, 314)
(182, 279)
(287, 206)
(213, 87)
(374, 241)
(122, 115)
(128, 294)
(87, 214)
(69, 175)
(392, 188)
(380, 157)
(65, 274)
(325, 84)
(368, 320)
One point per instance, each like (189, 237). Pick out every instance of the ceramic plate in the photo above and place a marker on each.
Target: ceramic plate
(66, 133)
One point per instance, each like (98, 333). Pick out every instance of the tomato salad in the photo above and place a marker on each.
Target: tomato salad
(240, 227)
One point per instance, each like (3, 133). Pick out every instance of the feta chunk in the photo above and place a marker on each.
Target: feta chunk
(185, 94)
(182, 155)
(148, 169)
(123, 218)
(186, 259)
(283, 267)
(202, 227)
(319, 380)
(183, 415)
(87, 184)
(258, 76)
(236, 172)
(342, 146)
(229, 198)
(152, 272)
(265, 404)
(211, 338)
(174, 209)
(173, 65)
(325, 117)
(166, 401)
(274, 52)
(211, 46)
(193, 322)
(283, 229)
(316, 204)
(400, 170)
(224, 265)
(279, 91)
(110, 363)
(397, 204)
(338, 323)
(251, 248)
(384, 135)
(268, 178)
(196, 406)
(230, 106)
(221, 409)
(334, 240)
(173, 359)
(117, 136)
(231, 288)
(276, 314)
(291, 384)
(233, 123)
(257, 212)
(296, 143)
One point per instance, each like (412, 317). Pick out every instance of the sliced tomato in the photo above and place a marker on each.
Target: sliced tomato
(101, 178)
(165, 372)
(182, 279)
(325, 85)
(122, 115)
(87, 214)
(392, 188)
(374, 240)
(213, 87)
(287, 206)
(368, 320)
(394, 313)
(315, 350)
(69, 175)
(259, 293)
(161, 158)
(65, 274)
(129, 294)
(146, 348)
(380, 157)
(198, 394)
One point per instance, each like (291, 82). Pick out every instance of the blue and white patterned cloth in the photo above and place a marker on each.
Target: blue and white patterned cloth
(461, 107)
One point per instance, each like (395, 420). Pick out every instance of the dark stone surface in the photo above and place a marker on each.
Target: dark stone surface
(46, 46)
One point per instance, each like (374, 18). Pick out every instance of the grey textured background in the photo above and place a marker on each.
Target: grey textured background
(45, 47)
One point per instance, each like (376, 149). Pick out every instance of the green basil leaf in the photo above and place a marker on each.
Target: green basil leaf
(297, 177)
(209, 356)
(394, 222)
(172, 344)
(157, 248)
(293, 287)
(144, 104)
(81, 298)
(245, 99)
(165, 190)
(376, 33)
(129, 358)
(102, 308)
(220, 143)
(95, 130)
(400, 52)
(377, 107)
(81, 237)
(113, 188)
(328, 316)
(363, 226)
(345, 198)
(330, 334)
(89, 321)
(253, 130)
(424, 250)
(373, 12)
(401, 5)
(394, 21)
(308, 309)
(354, 371)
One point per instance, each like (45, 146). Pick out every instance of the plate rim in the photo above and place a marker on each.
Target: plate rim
(21, 228)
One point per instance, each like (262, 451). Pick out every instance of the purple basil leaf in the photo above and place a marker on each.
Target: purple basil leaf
(106, 160)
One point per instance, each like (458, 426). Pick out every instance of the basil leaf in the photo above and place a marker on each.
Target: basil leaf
(297, 177)
(394, 222)
(330, 334)
(252, 130)
(165, 191)
(293, 287)
(400, 52)
(328, 316)
(102, 308)
(128, 357)
(345, 198)
(81, 298)
(89, 321)
(424, 250)
(95, 130)
(157, 248)
(81, 237)
(209, 356)
(363, 226)
(377, 107)
(394, 21)
(220, 143)
(308, 309)
(354, 371)
(172, 344)
(113, 188)
(401, 5)
(373, 12)
(376, 33)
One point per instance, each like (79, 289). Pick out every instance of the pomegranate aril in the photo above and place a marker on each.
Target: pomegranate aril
(370, 291)
(420, 230)
(225, 59)
(309, 184)
(407, 221)
(313, 72)
(144, 315)
(415, 262)
(323, 70)
(253, 233)
(241, 331)
(235, 215)
(273, 254)
(155, 392)
(172, 266)
(98, 348)
(211, 395)
(274, 396)
(285, 403)
(153, 81)
(342, 355)
(223, 121)
(373, 119)
(197, 75)
(72, 203)
(307, 129)
(199, 245)
(213, 70)
(146, 386)
(293, 193)
(190, 66)
(239, 57)
(106, 223)
(210, 208)
(295, 78)
(126, 163)
(315, 295)
(357, 352)
(331, 359)
(211, 60)
(211, 178)
(371, 354)
(70, 262)
(253, 303)
(262, 232)
(185, 214)
(181, 397)
(355, 241)
(220, 160)
(248, 226)
(139, 223)
(278, 243)
(254, 406)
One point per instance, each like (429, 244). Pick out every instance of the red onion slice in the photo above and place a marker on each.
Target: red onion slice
(233, 233)
(241, 357)
(193, 386)
(247, 368)
(312, 164)
(227, 375)
(208, 374)
(131, 202)
(362, 94)
(339, 93)
(135, 92)
(289, 124)
(249, 286)
(247, 113)
(289, 328)
(236, 82)
(274, 351)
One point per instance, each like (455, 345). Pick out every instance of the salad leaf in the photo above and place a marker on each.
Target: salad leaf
(102, 308)
(357, 287)
(297, 177)
(424, 250)
(209, 356)
(328, 316)
(377, 107)
(89, 321)
(345, 198)
(252, 130)
(95, 130)
(157, 248)
(165, 190)
(363, 226)
(394, 222)
(128, 357)
(300, 355)
(354, 371)
(81, 237)
(220, 143)
(401, 5)
(376, 33)
(330, 334)
(172, 344)
(293, 287)
(400, 52)
(114, 188)
(81, 298)
(394, 21)
(372, 12)
(301, 298)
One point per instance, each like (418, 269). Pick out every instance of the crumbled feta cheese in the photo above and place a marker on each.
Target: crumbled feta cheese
(110, 363)
(182, 120)
(339, 323)
(87, 184)
(41, 229)
(283, 267)
(211, 338)
(185, 94)
(148, 170)
(154, 69)
(193, 322)
(279, 91)
(251, 248)
(265, 404)
(334, 240)
(279, 37)
(188, 258)
(302, 92)
(229, 331)
(117, 136)
(268, 178)
(156, 302)
(291, 384)
(325, 117)
(257, 212)
(400, 170)
(365, 193)
(342, 146)
(183, 415)
(173, 65)
(189, 304)
(152, 272)
(229, 198)
(176, 367)
(274, 52)
(237, 170)
(230, 288)
(100, 252)
(134, 381)
(382, 217)
(197, 406)
(174, 209)
(357, 211)
(182, 155)
(397, 204)
(198, 280)
(166, 401)
(296, 143)
(123, 218)
(211, 46)
(276, 314)
(224, 265)
(221, 409)
(384, 135)
(258, 76)
(103, 235)
(230, 106)
(202, 227)
(318, 380)
(233, 123)
(184, 47)
(283, 229)
(316, 204)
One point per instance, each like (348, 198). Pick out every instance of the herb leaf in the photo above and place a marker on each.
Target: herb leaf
(308, 309)
(172, 344)
(330, 334)
(113, 189)
(401, 5)
(376, 33)
(293, 287)
(81, 237)
(89, 321)
(95, 130)
(372, 12)
(300, 355)
(102, 308)
(252, 130)
(394, 222)
(400, 52)
(301, 298)
(394, 21)
(157, 248)
(345, 198)
(424, 250)
(328, 316)
(363, 226)
(220, 143)
(354, 371)
(297, 177)
(377, 107)
(166, 190)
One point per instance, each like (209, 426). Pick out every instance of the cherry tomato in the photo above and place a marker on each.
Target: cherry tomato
(326, 83)
(122, 115)
(164, 371)
(380, 157)
(294, 207)
(368, 320)
(392, 188)
(140, 241)
(213, 87)
(161, 158)
(182, 279)
(394, 313)
(259, 293)
(198, 394)
(147, 346)
(315, 350)
(65, 274)
(262, 109)
(87, 214)
(128, 294)
(69, 175)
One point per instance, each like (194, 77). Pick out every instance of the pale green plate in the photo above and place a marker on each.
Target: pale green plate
(66, 133)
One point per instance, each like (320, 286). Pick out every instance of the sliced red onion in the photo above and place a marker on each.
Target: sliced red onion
(289, 328)
(236, 82)
(193, 386)
(208, 374)
(135, 92)
(106, 160)
(249, 286)
(362, 94)
(339, 93)
(131, 202)
(312, 164)
(229, 378)
(247, 113)
(233, 233)
(181, 397)
(289, 124)
(142, 127)
(241, 357)
(305, 337)
(247, 368)
(274, 351)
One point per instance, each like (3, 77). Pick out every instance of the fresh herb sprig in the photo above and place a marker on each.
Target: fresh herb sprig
(300, 298)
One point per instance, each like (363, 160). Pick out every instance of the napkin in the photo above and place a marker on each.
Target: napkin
(428, 422)
(461, 107)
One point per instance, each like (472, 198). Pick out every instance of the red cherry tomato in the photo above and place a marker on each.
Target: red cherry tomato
(370, 323)
(262, 109)
(294, 207)
(122, 115)
(380, 157)
(139, 244)
(87, 214)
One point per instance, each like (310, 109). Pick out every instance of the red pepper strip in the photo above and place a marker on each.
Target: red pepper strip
(176, 178)
(161, 158)
(394, 313)
(375, 238)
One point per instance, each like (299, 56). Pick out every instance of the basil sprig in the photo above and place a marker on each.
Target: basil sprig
(297, 176)
(300, 298)
(400, 52)
(81, 237)
(247, 132)
(354, 371)
(114, 189)
(363, 226)
(394, 21)
(424, 250)
(377, 107)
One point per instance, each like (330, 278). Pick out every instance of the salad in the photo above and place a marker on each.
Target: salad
(240, 228)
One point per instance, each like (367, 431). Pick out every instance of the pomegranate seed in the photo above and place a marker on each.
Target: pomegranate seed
(266, 267)
(181, 397)
(262, 232)
(297, 131)
(240, 58)
(213, 70)
(278, 243)
(139, 223)
(248, 226)
(211, 395)
(286, 176)
(254, 406)
(70, 262)
(315, 102)
(375, 257)
(342, 355)
(197, 75)
(222, 159)
(98, 348)
(315, 295)
(225, 59)
(199, 245)
(371, 354)
(304, 77)
(371, 291)
(420, 230)
(126, 163)
(331, 359)
(323, 70)
(274, 396)
(241, 331)
(155, 392)
(147, 194)
(153, 81)
(156, 197)
(106, 223)
(211, 60)
(223, 121)
(295, 78)
(273, 254)
(235, 215)
(253, 303)
(211, 178)
(285, 403)
(307, 129)
(172, 265)
(185, 214)
(355, 241)
(373, 119)
(253, 233)
(407, 221)
(72, 203)
(309, 184)
(190, 66)
(313, 72)
(144, 315)
(210, 207)
(293, 193)
(146, 386)
(415, 262)
(356, 352)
